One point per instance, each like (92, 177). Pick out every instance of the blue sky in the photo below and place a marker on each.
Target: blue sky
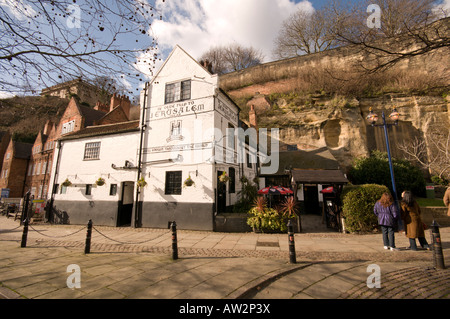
(198, 25)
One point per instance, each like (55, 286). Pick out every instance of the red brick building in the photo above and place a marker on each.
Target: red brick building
(14, 168)
(39, 168)
(75, 118)
(5, 138)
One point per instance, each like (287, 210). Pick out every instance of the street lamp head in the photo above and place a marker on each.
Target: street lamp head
(372, 117)
(394, 116)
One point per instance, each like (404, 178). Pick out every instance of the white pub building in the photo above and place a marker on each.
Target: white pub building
(168, 166)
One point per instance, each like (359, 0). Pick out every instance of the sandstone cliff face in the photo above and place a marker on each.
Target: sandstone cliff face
(339, 123)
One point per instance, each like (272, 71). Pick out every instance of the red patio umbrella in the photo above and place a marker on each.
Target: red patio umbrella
(327, 190)
(275, 190)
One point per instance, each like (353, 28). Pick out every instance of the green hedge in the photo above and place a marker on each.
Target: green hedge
(375, 170)
(358, 202)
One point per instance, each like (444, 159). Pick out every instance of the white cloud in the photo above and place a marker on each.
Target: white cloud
(5, 95)
(443, 8)
(19, 9)
(197, 25)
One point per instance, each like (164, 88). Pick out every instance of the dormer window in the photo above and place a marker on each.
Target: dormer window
(178, 91)
(68, 127)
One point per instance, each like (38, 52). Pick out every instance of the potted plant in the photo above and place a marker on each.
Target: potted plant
(66, 183)
(141, 182)
(289, 210)
(270, 220)
(189, 182)
(224, 177)
(100, 181)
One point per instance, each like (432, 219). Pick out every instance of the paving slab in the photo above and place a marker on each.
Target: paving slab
(127, 263)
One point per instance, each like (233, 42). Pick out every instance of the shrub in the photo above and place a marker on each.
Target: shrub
(439, 181)
(358, 202)
(267, 219)
(248, 194)
(375, 170)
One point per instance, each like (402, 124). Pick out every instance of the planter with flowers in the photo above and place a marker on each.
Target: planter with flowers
(141, 182)
(100, 181)
(224, 177)
(189, 182)
(66, 183)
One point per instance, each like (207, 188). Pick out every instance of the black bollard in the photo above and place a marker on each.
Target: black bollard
(25, 233)
(438, 256)
(87, 246)
(292, 258)
(173, 226)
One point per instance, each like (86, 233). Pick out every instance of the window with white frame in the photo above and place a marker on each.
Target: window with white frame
(178, 91)
(68, 127)
(44, 167)
(92, 151)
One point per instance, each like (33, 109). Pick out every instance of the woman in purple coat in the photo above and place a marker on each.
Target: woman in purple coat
(387, 213)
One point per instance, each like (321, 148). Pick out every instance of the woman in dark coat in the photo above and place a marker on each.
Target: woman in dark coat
(413, 222)
(387, 213)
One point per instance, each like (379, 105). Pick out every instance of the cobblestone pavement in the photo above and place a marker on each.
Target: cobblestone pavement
(136, 263)
(408, 283)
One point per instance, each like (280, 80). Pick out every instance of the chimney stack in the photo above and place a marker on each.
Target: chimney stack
(207, 65)
(252, 117)
(47, 127)
(121, 100)
(101, 107)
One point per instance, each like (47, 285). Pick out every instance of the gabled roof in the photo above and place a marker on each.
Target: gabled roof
(90, 115)
(320, 158)
(177, 47)
(41, 138)
(319, 176)
(98, 130)
(106, 117)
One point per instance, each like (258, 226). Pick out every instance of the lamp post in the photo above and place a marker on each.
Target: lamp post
(394, 116)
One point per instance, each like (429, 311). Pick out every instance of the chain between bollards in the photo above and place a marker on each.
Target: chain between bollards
(173, 227)
(292, 257)
(87, 246)
(438, 256)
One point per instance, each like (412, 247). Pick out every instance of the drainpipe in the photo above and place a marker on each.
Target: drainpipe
(137, 220)
(52, 198)
(25, 179)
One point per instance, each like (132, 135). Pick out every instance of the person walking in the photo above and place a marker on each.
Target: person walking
(447, 200)
(414, 228)
(387, 214)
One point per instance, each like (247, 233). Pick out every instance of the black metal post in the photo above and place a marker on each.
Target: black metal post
(25, 233)
(87, 246)
(438, 256)
(173, 226)
(25, 207)
(292, 257)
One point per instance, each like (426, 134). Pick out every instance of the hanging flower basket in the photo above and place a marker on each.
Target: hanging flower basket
(66, 183)
(189, 182)
(100, 181)
(224, 177)
(141, 182)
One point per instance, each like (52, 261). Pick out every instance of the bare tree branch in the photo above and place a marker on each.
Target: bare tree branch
(44, 42)
(432, 152)
(233, 57)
